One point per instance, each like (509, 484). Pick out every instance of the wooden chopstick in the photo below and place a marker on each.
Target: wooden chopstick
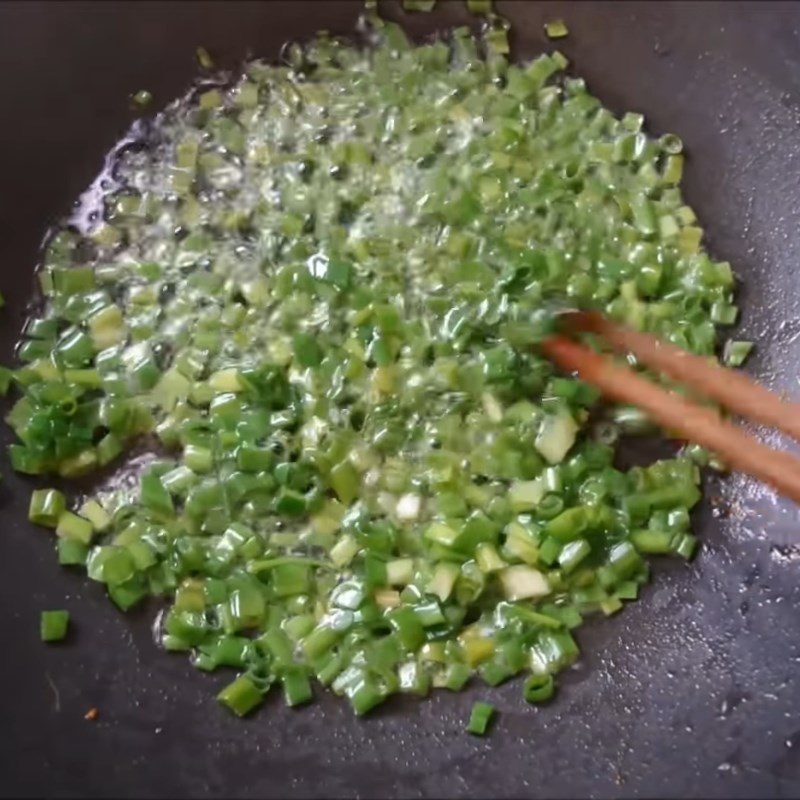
(701, 425)
(732, 389)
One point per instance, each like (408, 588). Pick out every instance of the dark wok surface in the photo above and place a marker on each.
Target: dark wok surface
(695, 691)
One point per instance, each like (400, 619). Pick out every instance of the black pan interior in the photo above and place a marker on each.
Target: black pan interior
(692, 692)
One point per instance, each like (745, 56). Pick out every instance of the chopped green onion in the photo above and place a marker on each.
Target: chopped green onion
(53, 625)
(142, 98)
(671, 143)
(204, 59)
(46, 507)
(479, 718)
(296, 688)
(71, 526)
(538, 688)
(556, 436)
(520, 582)
(72, 553)
(735, 353)
(479, 6)
(241, 696)
(556, 29)
(367, 474)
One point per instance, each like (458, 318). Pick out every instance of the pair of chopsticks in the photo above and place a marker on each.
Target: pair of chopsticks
(704, 426)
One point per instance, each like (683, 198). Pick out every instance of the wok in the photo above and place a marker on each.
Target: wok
(694, 691)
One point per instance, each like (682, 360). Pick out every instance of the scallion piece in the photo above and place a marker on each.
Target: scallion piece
(53, 625)
(203, 58)
(296, 687)
(479, 6)
(735, 352)
(479, 718)
(241, 696)
(538, 688)
(71, 526)
(556, 29)
(46, 507)
(142, 98)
